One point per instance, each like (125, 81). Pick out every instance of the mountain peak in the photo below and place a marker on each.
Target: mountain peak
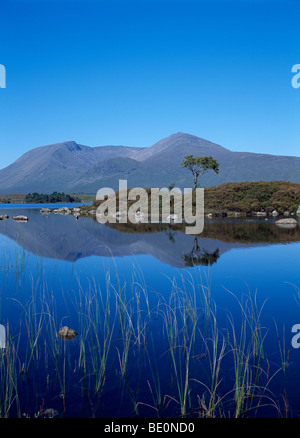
(182, 135)
(178, 142)
(71, 145)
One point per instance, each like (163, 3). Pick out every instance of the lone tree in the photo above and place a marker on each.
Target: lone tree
(199, 165)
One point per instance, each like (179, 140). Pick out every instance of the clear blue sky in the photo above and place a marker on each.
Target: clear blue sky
(132, 72)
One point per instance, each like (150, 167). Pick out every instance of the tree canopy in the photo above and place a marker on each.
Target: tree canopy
(199, 165)
(42, 198)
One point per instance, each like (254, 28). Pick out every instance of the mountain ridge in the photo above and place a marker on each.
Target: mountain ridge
(75, 168)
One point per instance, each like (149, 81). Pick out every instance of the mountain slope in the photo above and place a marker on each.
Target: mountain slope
(55, 167)
(234, 166)
(75, 168)
(107, 173)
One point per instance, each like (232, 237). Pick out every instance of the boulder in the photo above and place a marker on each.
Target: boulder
(172, 217)
(287, 223)
(3, 216)
(67, 333)
(62, 210)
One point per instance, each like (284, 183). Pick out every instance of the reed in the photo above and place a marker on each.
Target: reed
(9, 397)
(217, 362)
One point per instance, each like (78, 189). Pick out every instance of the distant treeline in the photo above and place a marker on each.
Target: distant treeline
(44, 198)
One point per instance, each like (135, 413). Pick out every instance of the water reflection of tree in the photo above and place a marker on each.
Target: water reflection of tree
(199, 256)
(170, 234)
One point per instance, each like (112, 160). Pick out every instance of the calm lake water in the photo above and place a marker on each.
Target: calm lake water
(167, 324)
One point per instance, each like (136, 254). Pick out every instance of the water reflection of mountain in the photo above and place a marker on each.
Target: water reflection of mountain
(65, 238)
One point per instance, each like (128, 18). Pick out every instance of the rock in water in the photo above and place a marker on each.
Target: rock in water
(49, 413)
(67, 333)
(287, 223)
(62, 210)
(45, 210)
(20, 218)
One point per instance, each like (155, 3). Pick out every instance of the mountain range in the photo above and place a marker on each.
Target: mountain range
(73, 168)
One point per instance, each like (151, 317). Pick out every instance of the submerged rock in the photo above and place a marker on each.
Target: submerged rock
(66, 333)
(45, 210)
(49, 413)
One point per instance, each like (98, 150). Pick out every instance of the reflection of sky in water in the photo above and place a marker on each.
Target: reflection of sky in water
(151, 260)
(267, 268)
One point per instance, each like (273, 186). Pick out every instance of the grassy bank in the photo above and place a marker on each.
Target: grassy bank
(255, 196)
(244, 198)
